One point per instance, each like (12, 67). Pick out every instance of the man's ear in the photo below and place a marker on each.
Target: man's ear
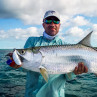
(43, 25)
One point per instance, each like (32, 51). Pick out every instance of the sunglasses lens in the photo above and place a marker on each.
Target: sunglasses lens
(50, 21)
(56, 22)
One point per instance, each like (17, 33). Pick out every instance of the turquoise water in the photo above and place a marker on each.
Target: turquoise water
(12, 82)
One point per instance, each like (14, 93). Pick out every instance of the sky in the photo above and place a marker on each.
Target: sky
(20, 19)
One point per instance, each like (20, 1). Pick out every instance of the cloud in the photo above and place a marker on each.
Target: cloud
(26, 10)
(72, 14)
(95, 31)
(79, 21)
(20, 33)
(75, 31)
(95, 27)
(3, 34)
(32, 11)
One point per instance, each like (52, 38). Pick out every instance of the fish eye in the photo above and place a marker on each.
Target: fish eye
(22, 52)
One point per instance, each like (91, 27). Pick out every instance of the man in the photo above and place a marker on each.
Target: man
(36, 86)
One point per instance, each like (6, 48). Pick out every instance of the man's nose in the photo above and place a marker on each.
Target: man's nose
(52, 23)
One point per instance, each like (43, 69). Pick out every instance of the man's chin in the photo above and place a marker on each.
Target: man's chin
(53, 33)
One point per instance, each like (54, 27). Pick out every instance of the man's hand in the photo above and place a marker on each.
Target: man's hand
(81, 68)
(11, 62)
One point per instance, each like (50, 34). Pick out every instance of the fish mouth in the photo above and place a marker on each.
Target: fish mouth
(21, 58)
(17, 58)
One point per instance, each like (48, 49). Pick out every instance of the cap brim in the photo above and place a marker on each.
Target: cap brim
(52, 16)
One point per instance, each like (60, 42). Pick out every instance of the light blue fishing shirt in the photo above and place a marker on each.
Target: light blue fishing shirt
(36, 85)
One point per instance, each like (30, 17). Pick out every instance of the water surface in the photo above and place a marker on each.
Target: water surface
(13, 81)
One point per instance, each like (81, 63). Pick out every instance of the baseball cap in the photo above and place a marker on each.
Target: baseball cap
(52, 13)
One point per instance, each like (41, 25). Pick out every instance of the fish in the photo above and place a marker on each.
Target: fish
(58, 59)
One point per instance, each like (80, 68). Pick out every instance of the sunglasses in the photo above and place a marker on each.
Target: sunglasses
(50, 21)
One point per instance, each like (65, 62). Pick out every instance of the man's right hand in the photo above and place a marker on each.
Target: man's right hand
(11, 62)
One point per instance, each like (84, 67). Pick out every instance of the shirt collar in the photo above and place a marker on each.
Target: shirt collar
(45, 35)
(48, 37)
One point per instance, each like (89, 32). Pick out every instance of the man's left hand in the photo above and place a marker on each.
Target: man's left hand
(81, 68)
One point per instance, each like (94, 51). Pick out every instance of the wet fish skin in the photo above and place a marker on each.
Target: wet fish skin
(58, 59)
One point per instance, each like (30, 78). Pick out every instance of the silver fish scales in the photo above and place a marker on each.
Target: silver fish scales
(58, 59)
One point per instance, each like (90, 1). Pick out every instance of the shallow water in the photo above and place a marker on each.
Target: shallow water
(12, 82)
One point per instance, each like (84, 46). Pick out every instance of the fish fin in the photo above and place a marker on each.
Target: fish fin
(86, 40)
(44, 73)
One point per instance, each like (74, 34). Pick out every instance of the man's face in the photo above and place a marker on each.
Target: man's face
(52, 28)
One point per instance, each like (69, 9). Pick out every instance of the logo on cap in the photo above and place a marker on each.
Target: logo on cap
(52, 12)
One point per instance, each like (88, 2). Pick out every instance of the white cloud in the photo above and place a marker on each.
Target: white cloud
(95, 27)
(32, 11)
(80, 21)
(69, 21)
(19, 33)
(95, 31)
(75, 31)
(3, 34)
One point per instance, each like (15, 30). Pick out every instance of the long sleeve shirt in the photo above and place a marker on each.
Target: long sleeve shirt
(36, 85)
